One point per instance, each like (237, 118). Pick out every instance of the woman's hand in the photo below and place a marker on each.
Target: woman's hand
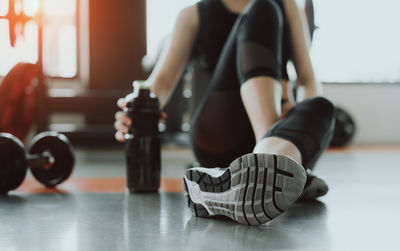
(287, 99)
(286, 107)
(123, 122)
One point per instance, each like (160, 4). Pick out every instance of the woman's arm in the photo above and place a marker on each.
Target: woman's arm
(168, 69)
(173, 60)
(307, 85)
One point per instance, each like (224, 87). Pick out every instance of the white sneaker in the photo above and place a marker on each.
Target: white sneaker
(253, 190)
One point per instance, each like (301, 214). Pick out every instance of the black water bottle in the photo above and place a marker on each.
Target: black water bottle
(143, 150)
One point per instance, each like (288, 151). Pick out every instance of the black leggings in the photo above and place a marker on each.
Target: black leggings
(221, 130)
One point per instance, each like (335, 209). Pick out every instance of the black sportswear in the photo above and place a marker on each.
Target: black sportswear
(237, 48)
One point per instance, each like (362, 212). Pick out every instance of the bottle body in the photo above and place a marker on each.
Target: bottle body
(143, 144)
(143, 164)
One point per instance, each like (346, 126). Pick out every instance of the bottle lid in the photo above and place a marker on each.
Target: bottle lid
(143, 95)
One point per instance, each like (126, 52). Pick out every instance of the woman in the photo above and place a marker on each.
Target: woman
(246, 45)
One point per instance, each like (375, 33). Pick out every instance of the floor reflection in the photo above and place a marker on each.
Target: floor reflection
(37, 222)
(292, 230)
(159, 221)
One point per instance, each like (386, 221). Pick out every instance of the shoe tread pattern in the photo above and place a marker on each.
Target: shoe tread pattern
(265, 185)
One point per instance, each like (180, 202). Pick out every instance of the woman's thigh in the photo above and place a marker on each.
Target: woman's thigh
(221, 125)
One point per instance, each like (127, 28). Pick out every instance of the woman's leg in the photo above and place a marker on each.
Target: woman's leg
(303, 134)
(221, 130)
(276, 145)
(256, 187)
(308, 126)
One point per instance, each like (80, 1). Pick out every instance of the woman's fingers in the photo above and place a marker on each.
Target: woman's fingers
(119, 136)
(123, 118)
(163, 116)
(121, 103)
(123, 122)
(121, 127)
(286, 107)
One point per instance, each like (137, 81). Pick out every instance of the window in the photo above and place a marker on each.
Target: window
(358, 41)
(59, 37)
(160, 19)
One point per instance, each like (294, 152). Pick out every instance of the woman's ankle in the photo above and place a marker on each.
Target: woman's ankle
(276, 145)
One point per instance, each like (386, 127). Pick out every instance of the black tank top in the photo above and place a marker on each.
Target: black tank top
(215, 24)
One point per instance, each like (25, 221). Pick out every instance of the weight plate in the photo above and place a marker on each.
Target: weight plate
(18, 100)
(60, 148)
(13, 162)
(345, 128)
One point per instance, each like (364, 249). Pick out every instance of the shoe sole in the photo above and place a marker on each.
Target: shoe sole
(253, 190)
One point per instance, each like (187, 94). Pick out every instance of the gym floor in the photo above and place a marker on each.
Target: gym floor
(92, 211)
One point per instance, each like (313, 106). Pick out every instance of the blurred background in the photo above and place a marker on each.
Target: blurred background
(92, 51)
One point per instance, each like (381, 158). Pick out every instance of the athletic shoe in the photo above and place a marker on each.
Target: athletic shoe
(315, 187)
(253, 190)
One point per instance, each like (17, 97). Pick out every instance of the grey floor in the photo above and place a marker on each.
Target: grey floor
(361, 212)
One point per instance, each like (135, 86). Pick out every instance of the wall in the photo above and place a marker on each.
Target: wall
(375, 108)
(117, 43)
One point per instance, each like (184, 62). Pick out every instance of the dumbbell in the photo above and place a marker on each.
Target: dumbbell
(50, 159)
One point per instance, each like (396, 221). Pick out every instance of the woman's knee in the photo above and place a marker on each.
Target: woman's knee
(263, 10)
(323, 107)
(259, 41)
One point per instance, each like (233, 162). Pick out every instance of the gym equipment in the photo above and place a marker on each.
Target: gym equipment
(16, 20)
(23, 90)
(51, 160)
(345, 128)
(17, 100)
